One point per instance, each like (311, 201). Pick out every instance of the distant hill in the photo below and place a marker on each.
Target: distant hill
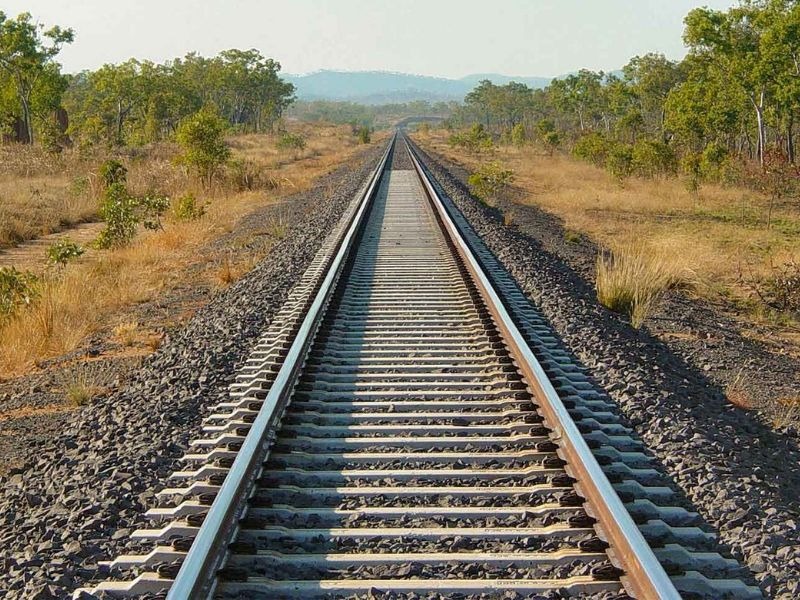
(382, 87)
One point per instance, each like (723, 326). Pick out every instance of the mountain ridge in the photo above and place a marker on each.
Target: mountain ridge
(379, 87)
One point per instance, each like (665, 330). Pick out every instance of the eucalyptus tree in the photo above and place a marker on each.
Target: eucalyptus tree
(28, 67)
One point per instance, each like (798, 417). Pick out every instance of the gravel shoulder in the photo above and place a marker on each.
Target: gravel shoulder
(737, 470)
(82, 479)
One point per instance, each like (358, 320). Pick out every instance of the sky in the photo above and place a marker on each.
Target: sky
(444, 38)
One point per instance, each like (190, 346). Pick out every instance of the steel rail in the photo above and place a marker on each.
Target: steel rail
(644, 577)
(197, 575)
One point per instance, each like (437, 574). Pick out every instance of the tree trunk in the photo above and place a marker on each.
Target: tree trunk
(762, 133)
(27, 121)
(790, 139)
(119, 121)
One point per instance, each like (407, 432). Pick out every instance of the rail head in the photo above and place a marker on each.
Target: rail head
(644, 577)
(197, 575)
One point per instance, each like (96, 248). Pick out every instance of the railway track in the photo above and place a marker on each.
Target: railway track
(408, 425)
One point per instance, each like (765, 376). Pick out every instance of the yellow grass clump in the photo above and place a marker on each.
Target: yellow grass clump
(630, 280)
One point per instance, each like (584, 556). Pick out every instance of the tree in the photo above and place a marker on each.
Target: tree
(732, 40)
(650, 79)
(202, 137)
(27, 51)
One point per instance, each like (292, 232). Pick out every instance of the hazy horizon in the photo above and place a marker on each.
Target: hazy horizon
(447, 39)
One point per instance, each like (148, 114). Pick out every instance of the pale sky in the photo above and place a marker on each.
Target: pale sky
(446, 38)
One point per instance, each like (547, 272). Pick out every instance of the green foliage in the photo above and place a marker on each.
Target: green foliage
(27, 65)
(291, 141)
(112, 171)
(715, 163)
(119, 212)
(123, 213)
(150, 209)
(187, 208)
(364, 134)
(17, 289)
(138, 102)
(652, 159)
(551, 141)
(489, 181)
(63, 251)
(476, 139)
(619, 162)
(202, 137)
(691, 167)
(518, 135)
(592, 147)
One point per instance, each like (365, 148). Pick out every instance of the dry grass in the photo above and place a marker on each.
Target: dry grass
(630, 280)
(31, 207)
(231, 269)
(91, 295)
(717, 235)
(82, 382)
(736, 391)
(786, 412)
(127, 333)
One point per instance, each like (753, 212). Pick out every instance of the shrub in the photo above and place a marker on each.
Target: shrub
(630, 281)
(62, 251)
(364, 134)
(619, 162)
(151, 208)
(714, 162)
(518, 136)
(202, 137)
(593, 148)
(17, 289)
(290, 141)
(474, 140)
(489, 180)
(551, 141)
(186, 208)
(119, 212)
(544, 126)
(653, 158)
(691, 167)
(112, 171)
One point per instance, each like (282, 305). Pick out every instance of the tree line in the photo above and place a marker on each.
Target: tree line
(736, 94)
(131, 103)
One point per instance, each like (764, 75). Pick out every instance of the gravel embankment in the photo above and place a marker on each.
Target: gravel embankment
(741, 475)
(88, 489)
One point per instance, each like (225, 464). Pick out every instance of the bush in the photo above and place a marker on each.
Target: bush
(290, 141)
(17, 289)
(619, 162)
(186, 208)
(593, 148)
(518, 135)
(202, 137)
(62, 251)
(551, 141)
(150, 209)
(119, 212)
(652, 159)
(112, 171)
(488, 181)
(474, 140)
(714, 162)
(691, 167)
(364, 134)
